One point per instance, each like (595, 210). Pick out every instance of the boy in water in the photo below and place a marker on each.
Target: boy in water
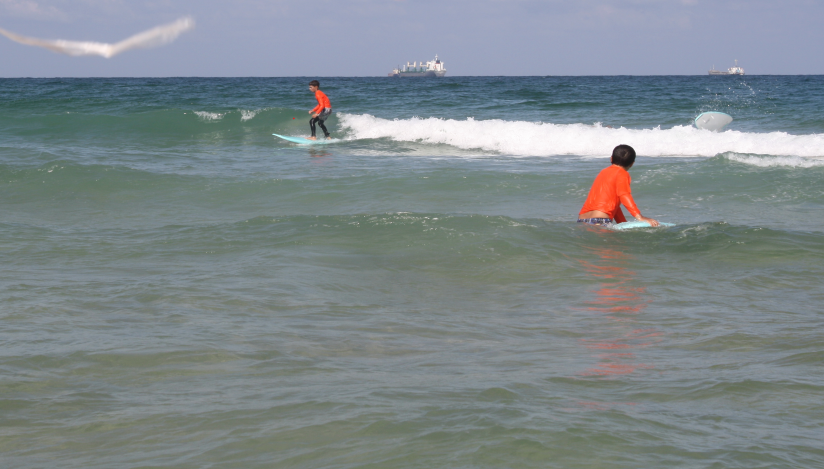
(610, 190)
(321, 112)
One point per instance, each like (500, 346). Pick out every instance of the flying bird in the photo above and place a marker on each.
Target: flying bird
(152, 38)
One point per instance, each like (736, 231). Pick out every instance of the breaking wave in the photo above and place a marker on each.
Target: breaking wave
(245, 114)
(777, 161)
(523, 138)
(248, 115)
(209, 116)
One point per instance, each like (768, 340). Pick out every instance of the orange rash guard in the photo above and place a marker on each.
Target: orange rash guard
(323, 102)
(609, 191)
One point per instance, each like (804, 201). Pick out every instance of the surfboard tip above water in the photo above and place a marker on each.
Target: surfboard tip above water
(712, 120)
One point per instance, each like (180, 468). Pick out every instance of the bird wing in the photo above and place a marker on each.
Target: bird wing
(151, 38)
(154, 37)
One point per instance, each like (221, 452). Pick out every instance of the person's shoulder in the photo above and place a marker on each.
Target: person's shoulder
(613, 173)
(617, 170)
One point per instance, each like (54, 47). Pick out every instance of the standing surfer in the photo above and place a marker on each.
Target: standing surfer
(610, 190)
(321, 112)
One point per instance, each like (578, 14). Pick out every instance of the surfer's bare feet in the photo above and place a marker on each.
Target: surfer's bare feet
(312, 138)
(328, 138)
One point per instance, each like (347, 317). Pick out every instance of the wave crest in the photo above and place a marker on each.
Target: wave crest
(521, 138)
(209, 116)
(776, 161)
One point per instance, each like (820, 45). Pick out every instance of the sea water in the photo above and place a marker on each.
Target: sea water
(181, 289)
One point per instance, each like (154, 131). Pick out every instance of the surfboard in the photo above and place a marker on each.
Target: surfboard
(306, 141)
(712, 120)
(631, 225)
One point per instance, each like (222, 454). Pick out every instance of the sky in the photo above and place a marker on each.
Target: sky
(322, 38)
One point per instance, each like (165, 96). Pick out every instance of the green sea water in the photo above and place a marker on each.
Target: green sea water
(180, 289)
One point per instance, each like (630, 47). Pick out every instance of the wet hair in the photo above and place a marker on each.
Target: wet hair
(624, 156)
(314, 83)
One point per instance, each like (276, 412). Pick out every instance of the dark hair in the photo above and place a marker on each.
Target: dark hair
(314, 83)
(624, 156)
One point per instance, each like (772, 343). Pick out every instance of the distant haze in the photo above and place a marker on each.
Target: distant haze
(322, 38)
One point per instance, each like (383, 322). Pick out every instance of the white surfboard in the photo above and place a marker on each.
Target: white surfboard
(306, 141)
(631, 225)
(712, 120)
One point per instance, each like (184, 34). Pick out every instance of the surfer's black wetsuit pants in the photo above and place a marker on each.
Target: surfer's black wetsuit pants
(319, 120)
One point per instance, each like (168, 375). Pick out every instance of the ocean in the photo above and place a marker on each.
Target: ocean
(181, 289)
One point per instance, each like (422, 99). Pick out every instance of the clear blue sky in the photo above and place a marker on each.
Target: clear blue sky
(473, 37)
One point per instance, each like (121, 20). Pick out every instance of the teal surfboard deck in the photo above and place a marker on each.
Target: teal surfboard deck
(631, 225)
(712, 120)
(306, 141)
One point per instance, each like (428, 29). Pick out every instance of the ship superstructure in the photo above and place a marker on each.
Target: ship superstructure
(433, 68)
(730, 71)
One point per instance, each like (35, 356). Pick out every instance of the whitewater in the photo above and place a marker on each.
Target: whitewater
(519, 138)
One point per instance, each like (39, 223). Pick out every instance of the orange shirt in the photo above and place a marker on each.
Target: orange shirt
(609, 191)
(323, 102)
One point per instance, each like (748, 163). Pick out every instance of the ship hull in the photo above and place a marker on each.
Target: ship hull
(427, 74)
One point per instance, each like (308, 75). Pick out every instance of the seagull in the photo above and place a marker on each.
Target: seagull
(154, 37)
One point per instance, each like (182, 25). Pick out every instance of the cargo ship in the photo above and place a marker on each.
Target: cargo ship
(730, 71)
(433, 68)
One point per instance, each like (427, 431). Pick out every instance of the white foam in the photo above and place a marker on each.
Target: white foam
(522, 138)
(248, 115)
(209, 116)
(773, 161)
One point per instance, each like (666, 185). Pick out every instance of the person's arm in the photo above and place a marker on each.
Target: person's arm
(651, 221)
(626, 201)
(625, 195)
(630, 205)
(317, 109)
